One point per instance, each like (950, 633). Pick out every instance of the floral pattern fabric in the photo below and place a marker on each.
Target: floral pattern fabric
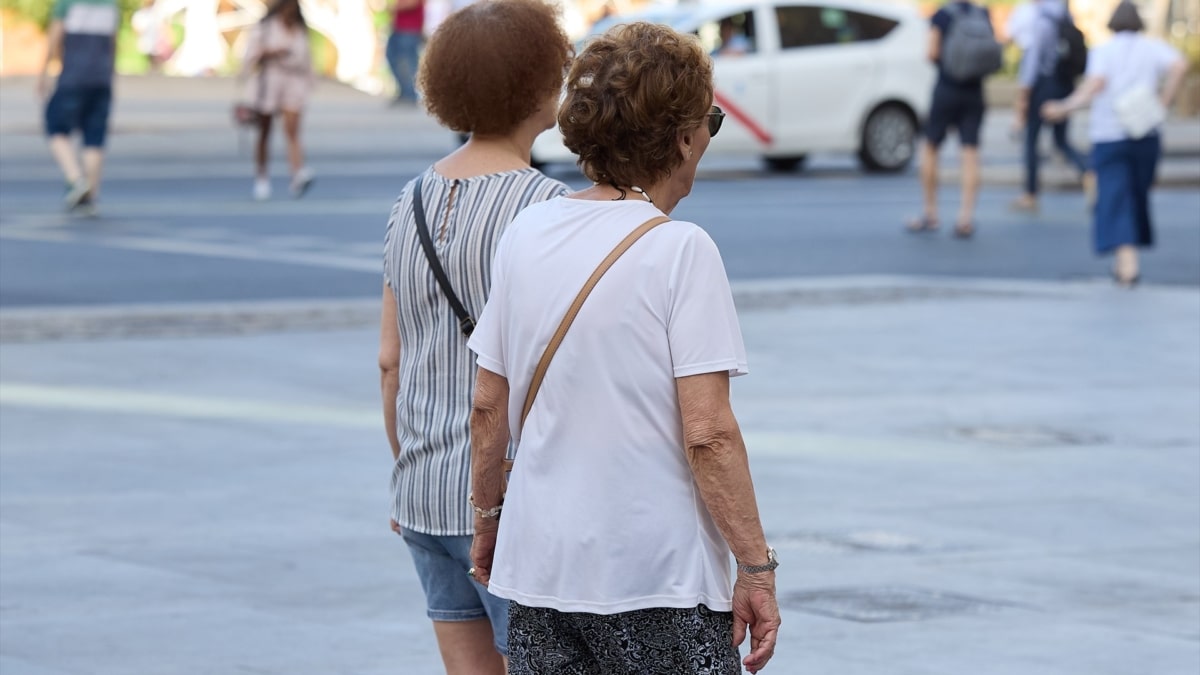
(656, 641)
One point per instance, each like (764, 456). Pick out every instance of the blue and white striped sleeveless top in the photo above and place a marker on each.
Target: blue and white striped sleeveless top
(431, 479)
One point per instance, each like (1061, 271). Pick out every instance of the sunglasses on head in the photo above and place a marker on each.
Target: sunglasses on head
(715, 117)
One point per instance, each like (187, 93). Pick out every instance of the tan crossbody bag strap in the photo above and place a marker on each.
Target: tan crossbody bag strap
(539, 373)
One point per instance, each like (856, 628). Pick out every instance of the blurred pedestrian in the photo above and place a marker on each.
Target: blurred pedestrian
(1130, 83)
(279, 79)
(957, 103)
(631, 485)
(82, 37)
(1042, 77)
(495, 70)
(404, 46)
(153, 35)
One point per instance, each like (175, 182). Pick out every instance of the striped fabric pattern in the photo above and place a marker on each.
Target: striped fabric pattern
(431, 478)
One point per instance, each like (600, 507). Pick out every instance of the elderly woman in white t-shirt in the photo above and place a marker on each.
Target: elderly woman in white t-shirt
(631, 484)
(1130, 83)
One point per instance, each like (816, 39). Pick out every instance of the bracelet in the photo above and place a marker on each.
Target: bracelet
(492, 513)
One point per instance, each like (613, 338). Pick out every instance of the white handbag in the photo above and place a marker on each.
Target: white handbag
(1140, 111)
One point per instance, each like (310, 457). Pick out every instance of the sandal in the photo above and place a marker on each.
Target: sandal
(964, 230)
(922, 224)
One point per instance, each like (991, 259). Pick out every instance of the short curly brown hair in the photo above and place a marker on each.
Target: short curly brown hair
(629, 93)
(490, 65)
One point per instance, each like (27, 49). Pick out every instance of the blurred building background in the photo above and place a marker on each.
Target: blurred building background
(205, 37)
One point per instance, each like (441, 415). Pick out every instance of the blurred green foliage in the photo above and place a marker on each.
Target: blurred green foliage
(39, 11)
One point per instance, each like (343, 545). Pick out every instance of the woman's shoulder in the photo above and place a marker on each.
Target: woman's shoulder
(546, 186)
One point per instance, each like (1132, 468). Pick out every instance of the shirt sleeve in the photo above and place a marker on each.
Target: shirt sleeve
(391, 238)
(941, 21)
(1031, 58)
(1165, 55)
(1097, 63)
(702, 323)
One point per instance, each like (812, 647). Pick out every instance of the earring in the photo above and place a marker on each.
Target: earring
(689, 153)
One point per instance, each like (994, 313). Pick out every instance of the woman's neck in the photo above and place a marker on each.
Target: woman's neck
(662, 194)
(483, 155)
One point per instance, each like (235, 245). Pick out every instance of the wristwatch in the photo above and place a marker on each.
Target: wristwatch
(772, 563)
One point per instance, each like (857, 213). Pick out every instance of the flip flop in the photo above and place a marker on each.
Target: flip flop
(922, 224)
(964, 230)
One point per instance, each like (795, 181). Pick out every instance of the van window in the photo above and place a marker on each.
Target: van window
(813, 26)
(730, 36)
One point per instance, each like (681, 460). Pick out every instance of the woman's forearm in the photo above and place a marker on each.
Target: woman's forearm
(716, 453)
(389, 385)
(489, 438)
(1172, 82)
(1084, 93)
(722, 474)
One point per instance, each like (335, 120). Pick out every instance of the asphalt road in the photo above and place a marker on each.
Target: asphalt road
(178, 225)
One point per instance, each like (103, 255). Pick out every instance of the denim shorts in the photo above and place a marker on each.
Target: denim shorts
(955, 107)
(442, 563)
(83, 108)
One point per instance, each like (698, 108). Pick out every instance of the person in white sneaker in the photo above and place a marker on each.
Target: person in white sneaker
(82, 37)
(278, 71)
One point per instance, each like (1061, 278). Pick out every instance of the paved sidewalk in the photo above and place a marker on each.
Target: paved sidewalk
(960, 477)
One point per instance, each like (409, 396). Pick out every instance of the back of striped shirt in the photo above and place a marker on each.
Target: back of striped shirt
(431, 479)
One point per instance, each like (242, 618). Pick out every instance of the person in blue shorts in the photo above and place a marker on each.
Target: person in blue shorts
(958, 105)
(82, 37)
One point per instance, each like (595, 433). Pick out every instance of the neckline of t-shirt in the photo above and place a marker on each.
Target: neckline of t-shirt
(606, 203)
(484, 176)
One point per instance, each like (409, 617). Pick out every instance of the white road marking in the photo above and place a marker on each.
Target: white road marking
(126, 401)
(207, 249)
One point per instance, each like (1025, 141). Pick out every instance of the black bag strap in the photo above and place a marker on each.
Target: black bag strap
(465, 322)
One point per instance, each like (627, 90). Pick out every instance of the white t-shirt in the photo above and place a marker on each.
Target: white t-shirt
(602, 514)
(1126, 61)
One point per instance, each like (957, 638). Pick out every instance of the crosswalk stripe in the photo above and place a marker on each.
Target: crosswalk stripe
(157, 404)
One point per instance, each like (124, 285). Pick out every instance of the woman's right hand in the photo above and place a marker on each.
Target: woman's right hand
(483, 548)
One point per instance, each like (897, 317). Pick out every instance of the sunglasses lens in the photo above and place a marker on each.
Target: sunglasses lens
(715, 118)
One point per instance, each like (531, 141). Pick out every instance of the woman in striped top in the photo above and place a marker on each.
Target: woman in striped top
(493, 70)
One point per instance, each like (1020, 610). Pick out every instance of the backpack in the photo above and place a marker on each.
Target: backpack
(1072, 52)
(970, 50)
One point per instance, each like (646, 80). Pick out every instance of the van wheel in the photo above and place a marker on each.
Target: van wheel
(888, 138)
(785, 164)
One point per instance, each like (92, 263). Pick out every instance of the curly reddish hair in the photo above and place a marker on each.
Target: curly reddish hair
(490, 65)
(629, 93)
